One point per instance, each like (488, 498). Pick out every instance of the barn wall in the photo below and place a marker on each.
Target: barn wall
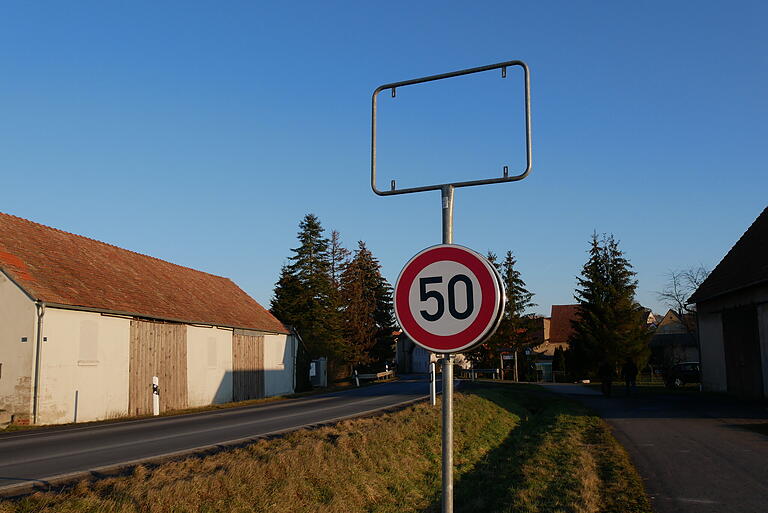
(84, 366)
(209, 364)
(17, 322)
(713, 373)
(279, 357)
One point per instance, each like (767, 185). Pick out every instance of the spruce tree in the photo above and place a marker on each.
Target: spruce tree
(304, 294)
(609, 326)
(366, 300)
(339, 257)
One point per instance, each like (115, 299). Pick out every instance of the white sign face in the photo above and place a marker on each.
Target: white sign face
(448, 298)
(461, 297)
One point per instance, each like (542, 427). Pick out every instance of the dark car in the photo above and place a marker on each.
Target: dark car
(682, 373)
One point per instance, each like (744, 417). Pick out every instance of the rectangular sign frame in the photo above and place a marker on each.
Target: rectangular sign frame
(506, 178)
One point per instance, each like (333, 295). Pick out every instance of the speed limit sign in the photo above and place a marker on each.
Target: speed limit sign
(449, 298)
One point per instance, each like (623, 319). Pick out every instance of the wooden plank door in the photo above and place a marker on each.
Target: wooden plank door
(157, 349)
(741, 339)
(247, 367)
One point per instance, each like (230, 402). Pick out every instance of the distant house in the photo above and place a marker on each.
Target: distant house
(85, 326)
(556, 331)
(674, 340)
(732, 307)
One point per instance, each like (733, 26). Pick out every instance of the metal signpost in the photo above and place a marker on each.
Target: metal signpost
(449, 298)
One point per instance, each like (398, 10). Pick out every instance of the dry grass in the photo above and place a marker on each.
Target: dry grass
(515, 450)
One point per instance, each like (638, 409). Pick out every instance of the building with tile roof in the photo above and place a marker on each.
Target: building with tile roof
(85, 326)
(732, 308)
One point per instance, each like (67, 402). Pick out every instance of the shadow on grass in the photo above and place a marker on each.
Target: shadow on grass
(560, 458)
(497, 482)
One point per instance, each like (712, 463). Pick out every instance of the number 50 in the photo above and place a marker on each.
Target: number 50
(425, 295)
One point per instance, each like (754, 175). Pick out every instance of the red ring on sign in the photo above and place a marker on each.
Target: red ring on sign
(457, 341)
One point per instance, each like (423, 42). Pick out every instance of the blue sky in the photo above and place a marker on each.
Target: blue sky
(201, 133)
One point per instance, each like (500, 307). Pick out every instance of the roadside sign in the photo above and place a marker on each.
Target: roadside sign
(449, 298)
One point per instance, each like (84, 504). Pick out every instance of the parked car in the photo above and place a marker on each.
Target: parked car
(682, 373)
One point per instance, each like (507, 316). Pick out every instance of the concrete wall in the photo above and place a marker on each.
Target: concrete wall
(17, 349)
(279, 356)
(84, 366)
(209, 365)
(713, 373)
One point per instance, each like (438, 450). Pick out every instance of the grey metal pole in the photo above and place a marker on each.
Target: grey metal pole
(448, 433)
(447, 202)
(516, 380)
(447, 197)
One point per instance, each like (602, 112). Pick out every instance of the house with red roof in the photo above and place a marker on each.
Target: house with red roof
(550, 334)
(85, 327)
(732, 311)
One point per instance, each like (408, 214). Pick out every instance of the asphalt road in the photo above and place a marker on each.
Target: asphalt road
(29, 458)
(696, 453)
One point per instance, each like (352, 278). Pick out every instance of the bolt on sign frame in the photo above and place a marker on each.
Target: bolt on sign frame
(447, 218)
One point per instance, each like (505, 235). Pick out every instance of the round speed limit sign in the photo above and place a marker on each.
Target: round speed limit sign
(449, 298)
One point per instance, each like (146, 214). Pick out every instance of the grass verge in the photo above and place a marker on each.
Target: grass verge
(516, 450)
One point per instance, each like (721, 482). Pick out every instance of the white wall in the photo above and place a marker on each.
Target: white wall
(209, 365)
(17, 322)
(279, 353)
(84, 358)
(713, 375)
(762, 325)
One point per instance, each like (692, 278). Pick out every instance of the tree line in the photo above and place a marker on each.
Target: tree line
(337, 300)
(341, 306)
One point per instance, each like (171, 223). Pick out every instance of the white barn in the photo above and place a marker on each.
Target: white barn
(84, 326)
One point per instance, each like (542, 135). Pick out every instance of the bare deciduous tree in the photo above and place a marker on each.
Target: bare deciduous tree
(681, 284)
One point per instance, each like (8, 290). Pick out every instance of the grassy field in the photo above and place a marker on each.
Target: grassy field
(517, 449)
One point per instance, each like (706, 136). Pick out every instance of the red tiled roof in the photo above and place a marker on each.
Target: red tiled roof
(744, 265)
(560, 326)
(57, 267)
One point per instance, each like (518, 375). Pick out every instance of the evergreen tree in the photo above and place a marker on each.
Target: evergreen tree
(609, 327)
(339, 257)
(304, 294)
(366, 300)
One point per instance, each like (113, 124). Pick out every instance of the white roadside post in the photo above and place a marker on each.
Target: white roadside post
(432, 384)
(155, 396)
(450, 275)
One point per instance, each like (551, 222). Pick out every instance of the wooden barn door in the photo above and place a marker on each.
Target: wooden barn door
(157, 349)
(744, 372)
(247, 366)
